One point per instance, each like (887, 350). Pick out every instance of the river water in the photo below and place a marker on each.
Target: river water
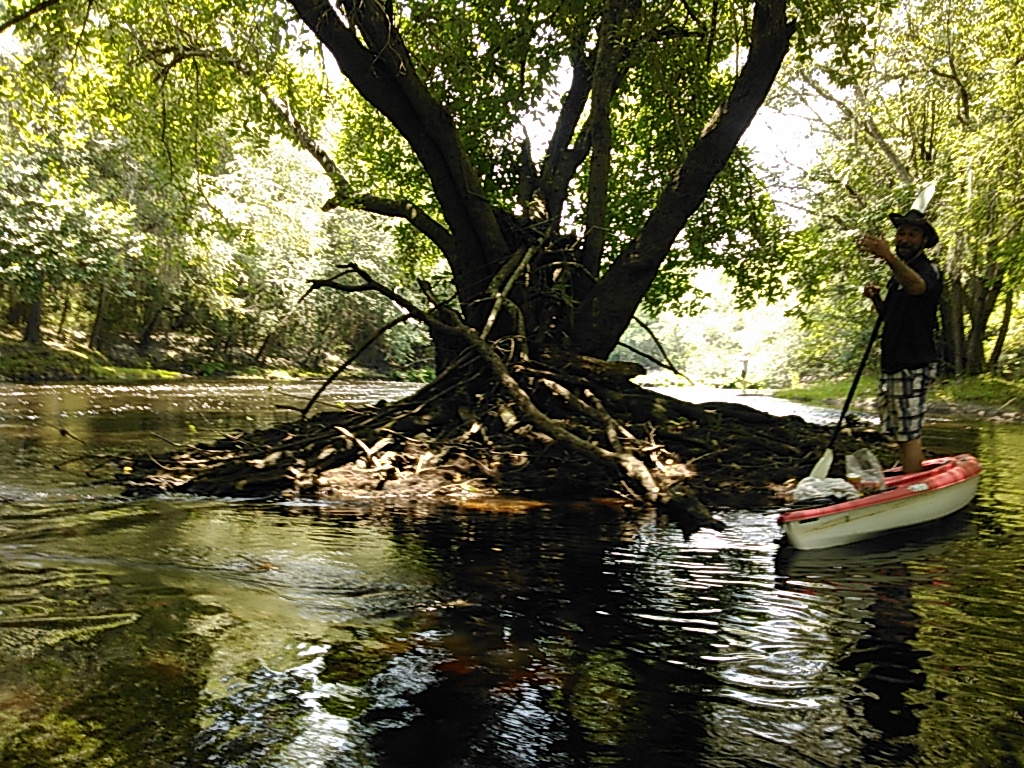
(179, 631)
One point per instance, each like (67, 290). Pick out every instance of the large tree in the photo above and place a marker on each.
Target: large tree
(644, 132)
(641, 105)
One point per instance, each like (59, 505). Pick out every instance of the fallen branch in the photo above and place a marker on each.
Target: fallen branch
(633, 467)
(666, 361)
(351, 359)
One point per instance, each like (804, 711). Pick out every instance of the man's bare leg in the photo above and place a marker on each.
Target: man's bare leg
(911, 455)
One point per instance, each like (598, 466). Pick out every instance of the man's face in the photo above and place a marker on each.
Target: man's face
(909, 242)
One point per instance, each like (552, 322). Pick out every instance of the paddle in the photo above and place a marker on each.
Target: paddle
(824, 464)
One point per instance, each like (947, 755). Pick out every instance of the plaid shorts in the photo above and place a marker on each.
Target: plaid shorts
(901, 401)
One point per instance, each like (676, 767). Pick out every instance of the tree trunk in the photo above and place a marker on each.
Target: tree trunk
(984, 295)
(264, 349)
(1004, 327)
(605, 313)
(153, 312)
(17, 310)
(952, 309)
(96, 335)
(64, 311)
(34, 323)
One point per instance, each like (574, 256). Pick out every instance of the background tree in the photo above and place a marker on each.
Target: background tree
(932, 93)
(213, 246)
(58, 232)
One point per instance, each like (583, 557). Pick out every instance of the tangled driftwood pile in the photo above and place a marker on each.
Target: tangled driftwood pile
(578, 429)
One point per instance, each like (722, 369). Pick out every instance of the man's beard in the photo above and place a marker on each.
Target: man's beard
(906, 251)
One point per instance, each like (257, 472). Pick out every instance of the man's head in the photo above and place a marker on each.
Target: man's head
(909, 242)
(914, 233)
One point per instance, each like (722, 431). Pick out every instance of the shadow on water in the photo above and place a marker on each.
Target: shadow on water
(196, 632)
(546, 660)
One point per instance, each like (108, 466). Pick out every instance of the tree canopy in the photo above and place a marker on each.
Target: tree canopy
(639, 106)
(118, 219)
(932, 93)
(648, 102)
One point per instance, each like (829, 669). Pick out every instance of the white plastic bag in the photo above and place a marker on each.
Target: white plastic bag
(824, 487)
(864, 472)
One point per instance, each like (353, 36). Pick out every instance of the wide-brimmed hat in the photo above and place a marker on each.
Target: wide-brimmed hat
(916, 219)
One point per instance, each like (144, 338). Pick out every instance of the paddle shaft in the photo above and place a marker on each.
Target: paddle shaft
(856, 381)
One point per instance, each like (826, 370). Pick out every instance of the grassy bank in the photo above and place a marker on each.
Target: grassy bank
(43, 362)
(986, 391)
(71, 360)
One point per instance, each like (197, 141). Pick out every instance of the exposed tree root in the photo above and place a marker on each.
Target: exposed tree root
(554, 429)
(509, 419)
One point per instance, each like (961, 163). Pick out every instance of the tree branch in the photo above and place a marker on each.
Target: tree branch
(403, 209)
(872, 128)
(666, 361)
(380, 67)
(605, 313)
(863, 117)
(607, 58)
(351, 359)
(27, 14)
(632, 466)
(962, 92)
(561, 162)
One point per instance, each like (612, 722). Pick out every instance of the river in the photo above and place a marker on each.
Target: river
(181, 631)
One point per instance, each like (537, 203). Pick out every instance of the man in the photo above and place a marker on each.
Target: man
(909, 357)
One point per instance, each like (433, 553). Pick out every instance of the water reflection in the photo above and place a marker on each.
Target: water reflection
(888, 666)
(187, 632)
(551, 653)
(870, 588)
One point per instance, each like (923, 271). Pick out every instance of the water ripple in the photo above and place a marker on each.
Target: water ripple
(180, 631)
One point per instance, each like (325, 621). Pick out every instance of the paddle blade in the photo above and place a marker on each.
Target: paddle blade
(820, 471)
(924, 197)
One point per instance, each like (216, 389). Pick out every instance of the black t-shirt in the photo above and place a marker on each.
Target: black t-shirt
(908, 339)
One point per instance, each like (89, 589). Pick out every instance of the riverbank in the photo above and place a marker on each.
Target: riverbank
(37, 363)
(983, 397)
(57, 361)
